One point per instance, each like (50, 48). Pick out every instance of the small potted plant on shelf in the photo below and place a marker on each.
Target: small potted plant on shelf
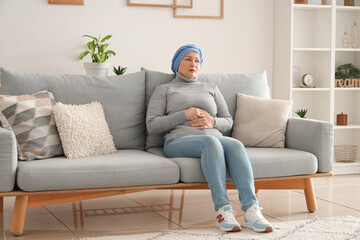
(119, 70)
(347, 75)
(97, 48)
(301, 112)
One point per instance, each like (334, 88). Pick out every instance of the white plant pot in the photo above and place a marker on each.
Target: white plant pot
(96, 69)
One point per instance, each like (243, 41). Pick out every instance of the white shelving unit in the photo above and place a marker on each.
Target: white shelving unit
(309, 38)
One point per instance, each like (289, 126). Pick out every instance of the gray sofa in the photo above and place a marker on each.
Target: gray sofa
(139, 164)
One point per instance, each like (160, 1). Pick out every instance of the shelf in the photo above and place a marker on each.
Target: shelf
(317, 63)
(312, 29)
(310, 7)
(346, 168)
(336, 127)
(347, 89)
(347, 9)
(309, 39)
(317, 103)
(311, 89)
(312, 49)
(347, 49)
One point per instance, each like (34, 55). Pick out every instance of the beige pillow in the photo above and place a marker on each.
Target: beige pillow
(30, 118)
(261, 122)
(83, 130)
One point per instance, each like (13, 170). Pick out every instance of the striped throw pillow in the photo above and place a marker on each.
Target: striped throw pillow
(30, 118)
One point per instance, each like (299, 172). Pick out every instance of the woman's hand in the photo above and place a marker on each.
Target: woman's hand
(203, 122)
(193, 113)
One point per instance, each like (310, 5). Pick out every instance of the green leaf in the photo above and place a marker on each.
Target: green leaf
(103, 47)
(119, 70)
(92, 46)
(83, 54)
(301, 112)
(97, 57)
(100, 58)
(94, 38)
(347, 70)
(110, 52)
(106, 38)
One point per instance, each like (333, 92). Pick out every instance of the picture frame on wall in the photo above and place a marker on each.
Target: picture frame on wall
(67, 2)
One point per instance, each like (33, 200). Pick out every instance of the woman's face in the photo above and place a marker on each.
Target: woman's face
(190, 65)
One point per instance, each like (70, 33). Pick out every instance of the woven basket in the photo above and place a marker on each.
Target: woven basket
(345, 153)
(349, 2)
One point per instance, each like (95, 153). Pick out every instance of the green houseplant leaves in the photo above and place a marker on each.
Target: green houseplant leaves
(347, 70)
(97, 49)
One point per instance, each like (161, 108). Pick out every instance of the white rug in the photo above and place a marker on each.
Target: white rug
(338, 228)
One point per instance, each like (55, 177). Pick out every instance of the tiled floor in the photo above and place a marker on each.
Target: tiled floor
(150, 211)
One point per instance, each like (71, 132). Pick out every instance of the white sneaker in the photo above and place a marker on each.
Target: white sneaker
(255, 220)
(226, 221)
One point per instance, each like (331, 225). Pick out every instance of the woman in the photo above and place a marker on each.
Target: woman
(193, 114)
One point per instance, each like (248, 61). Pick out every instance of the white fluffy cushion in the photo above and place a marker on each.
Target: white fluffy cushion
(83, 130)
(261, 122)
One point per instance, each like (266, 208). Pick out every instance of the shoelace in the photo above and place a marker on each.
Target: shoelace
(259, 214)
(230, 215)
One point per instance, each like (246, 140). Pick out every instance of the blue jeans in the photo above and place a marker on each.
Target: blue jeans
(215, 154)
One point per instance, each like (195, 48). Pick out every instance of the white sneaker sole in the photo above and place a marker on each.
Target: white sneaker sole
(234, 229)
(268, 229)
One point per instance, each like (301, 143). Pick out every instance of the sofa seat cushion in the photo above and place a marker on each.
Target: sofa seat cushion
(266, 162)
(121, 169)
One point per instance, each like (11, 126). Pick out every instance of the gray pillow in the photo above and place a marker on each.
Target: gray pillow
(229, 84)
(122, 97)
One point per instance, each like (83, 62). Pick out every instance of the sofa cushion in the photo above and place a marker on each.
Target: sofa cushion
(30, 117)
(122, 96)
(8, 160)
(121, 169)
(254, 84)
(261, 122)
(266, 162)
(83, 130)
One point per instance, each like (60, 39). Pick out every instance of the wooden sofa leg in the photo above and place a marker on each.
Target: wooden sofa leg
(18, 219)
(2, 226)
(1, 204)
(310, 195)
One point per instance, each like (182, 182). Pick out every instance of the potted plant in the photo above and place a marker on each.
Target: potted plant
(97, 48)
(301, 112)
(119, 70)
(347, 70)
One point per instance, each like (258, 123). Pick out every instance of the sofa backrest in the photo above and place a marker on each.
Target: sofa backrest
(254, 84)
(122, 98)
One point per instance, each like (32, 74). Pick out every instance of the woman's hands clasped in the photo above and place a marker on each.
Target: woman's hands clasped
(199, 118)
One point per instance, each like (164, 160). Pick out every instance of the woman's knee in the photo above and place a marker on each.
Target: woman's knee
(210, 141)
(212, 144)
(233, 144)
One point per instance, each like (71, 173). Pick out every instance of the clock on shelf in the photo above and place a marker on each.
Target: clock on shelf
(307, 80)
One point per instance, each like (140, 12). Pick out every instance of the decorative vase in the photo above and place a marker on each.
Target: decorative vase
(347, 39)
(355, 34)
(96, 69)
(341, 119)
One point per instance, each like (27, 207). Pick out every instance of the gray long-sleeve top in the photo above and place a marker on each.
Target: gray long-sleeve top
(166, 110)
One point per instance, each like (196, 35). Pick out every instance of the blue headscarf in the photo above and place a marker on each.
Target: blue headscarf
(180, 54)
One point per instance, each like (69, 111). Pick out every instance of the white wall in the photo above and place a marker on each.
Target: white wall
(38, 37)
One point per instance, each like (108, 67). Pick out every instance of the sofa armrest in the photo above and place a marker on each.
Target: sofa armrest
(8, 160)
(316, 137)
